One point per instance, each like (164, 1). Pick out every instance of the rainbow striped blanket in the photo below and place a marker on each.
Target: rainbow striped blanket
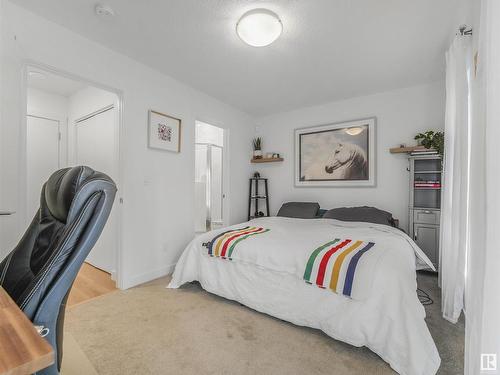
(330, 266)
(333, 264)
(340, 257)
(224, 243)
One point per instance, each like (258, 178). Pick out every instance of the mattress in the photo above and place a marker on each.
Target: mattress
(389, 321)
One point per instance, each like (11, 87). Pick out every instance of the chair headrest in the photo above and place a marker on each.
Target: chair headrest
(61, 188)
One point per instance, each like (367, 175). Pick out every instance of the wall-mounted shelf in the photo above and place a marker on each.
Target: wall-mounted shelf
(406, 150)
(266, 160)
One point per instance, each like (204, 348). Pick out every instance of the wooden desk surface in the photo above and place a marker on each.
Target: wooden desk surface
(22, 350)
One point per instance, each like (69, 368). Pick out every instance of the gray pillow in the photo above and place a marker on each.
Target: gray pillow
(366, 214)
(300, 210)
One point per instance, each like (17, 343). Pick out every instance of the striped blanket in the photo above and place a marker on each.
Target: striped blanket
(330, 266)
(333, 264)
(224, 243)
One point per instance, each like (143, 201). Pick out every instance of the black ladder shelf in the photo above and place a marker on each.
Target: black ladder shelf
(255, 197)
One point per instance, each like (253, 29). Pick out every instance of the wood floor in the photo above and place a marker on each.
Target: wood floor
(90, 283)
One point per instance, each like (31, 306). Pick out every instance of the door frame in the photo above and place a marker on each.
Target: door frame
(22, 155)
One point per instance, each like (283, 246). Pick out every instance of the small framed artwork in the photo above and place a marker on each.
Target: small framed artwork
(164, 132)
(337, 155)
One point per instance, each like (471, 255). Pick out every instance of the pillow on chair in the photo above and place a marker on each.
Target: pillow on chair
(299, 210)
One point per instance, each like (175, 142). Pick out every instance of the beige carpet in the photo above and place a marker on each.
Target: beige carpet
(153, 330)
(75, 361)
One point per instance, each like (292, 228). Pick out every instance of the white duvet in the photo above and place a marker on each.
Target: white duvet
(266, 274)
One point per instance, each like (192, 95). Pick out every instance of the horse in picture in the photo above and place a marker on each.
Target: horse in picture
(346, 162)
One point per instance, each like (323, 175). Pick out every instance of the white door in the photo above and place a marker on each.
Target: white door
(42, 157)
(96, 147)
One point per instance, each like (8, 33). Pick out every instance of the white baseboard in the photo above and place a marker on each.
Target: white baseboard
(147, 276)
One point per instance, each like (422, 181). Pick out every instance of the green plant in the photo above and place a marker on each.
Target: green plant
(432, 139)
(257, 144)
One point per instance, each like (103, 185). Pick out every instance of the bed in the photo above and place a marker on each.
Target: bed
(353, 280)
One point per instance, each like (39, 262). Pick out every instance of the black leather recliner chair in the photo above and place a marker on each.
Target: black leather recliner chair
(38, 274)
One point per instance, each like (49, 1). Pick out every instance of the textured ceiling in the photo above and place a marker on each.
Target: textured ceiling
(329, 50)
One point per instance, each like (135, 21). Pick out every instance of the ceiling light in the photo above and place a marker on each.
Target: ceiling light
(259, 27)
(35, 74)
(104, 10)
(354, 131)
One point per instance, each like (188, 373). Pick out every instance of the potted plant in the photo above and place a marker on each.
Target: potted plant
(257, 148)
(431, 139)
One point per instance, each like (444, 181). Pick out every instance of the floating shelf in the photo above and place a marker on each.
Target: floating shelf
(266, 160)
(406, 150)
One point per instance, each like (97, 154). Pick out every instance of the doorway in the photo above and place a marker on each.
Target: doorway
(70, 122)
(209, 177)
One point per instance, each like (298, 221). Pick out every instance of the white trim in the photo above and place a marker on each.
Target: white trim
(148, 276)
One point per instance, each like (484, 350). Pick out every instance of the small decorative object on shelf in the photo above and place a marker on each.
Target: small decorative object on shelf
(431, 140)
(429, 143)
(257, 148)
(254, 197)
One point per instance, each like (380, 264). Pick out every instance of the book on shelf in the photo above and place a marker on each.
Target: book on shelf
(432, 182)
(417, 185)
(423, 152)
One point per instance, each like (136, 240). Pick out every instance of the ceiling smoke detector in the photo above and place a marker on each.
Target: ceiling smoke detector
(104, 11)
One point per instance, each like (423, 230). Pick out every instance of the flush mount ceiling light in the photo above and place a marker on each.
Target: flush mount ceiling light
(259, 27)
(354, 131)
(35, 74)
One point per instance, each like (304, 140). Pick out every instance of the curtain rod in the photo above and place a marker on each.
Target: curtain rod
(465, 30)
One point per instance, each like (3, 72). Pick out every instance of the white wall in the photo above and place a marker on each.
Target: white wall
(158, 189)
(47, 104)
(400, 115)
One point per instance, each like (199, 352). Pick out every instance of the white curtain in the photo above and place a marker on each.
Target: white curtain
(453, 241)
(482, 302)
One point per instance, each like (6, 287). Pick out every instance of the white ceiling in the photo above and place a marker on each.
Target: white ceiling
(329, 50)
(53, 83)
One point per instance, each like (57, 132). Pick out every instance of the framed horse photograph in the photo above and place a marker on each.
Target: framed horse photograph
(337, 155)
